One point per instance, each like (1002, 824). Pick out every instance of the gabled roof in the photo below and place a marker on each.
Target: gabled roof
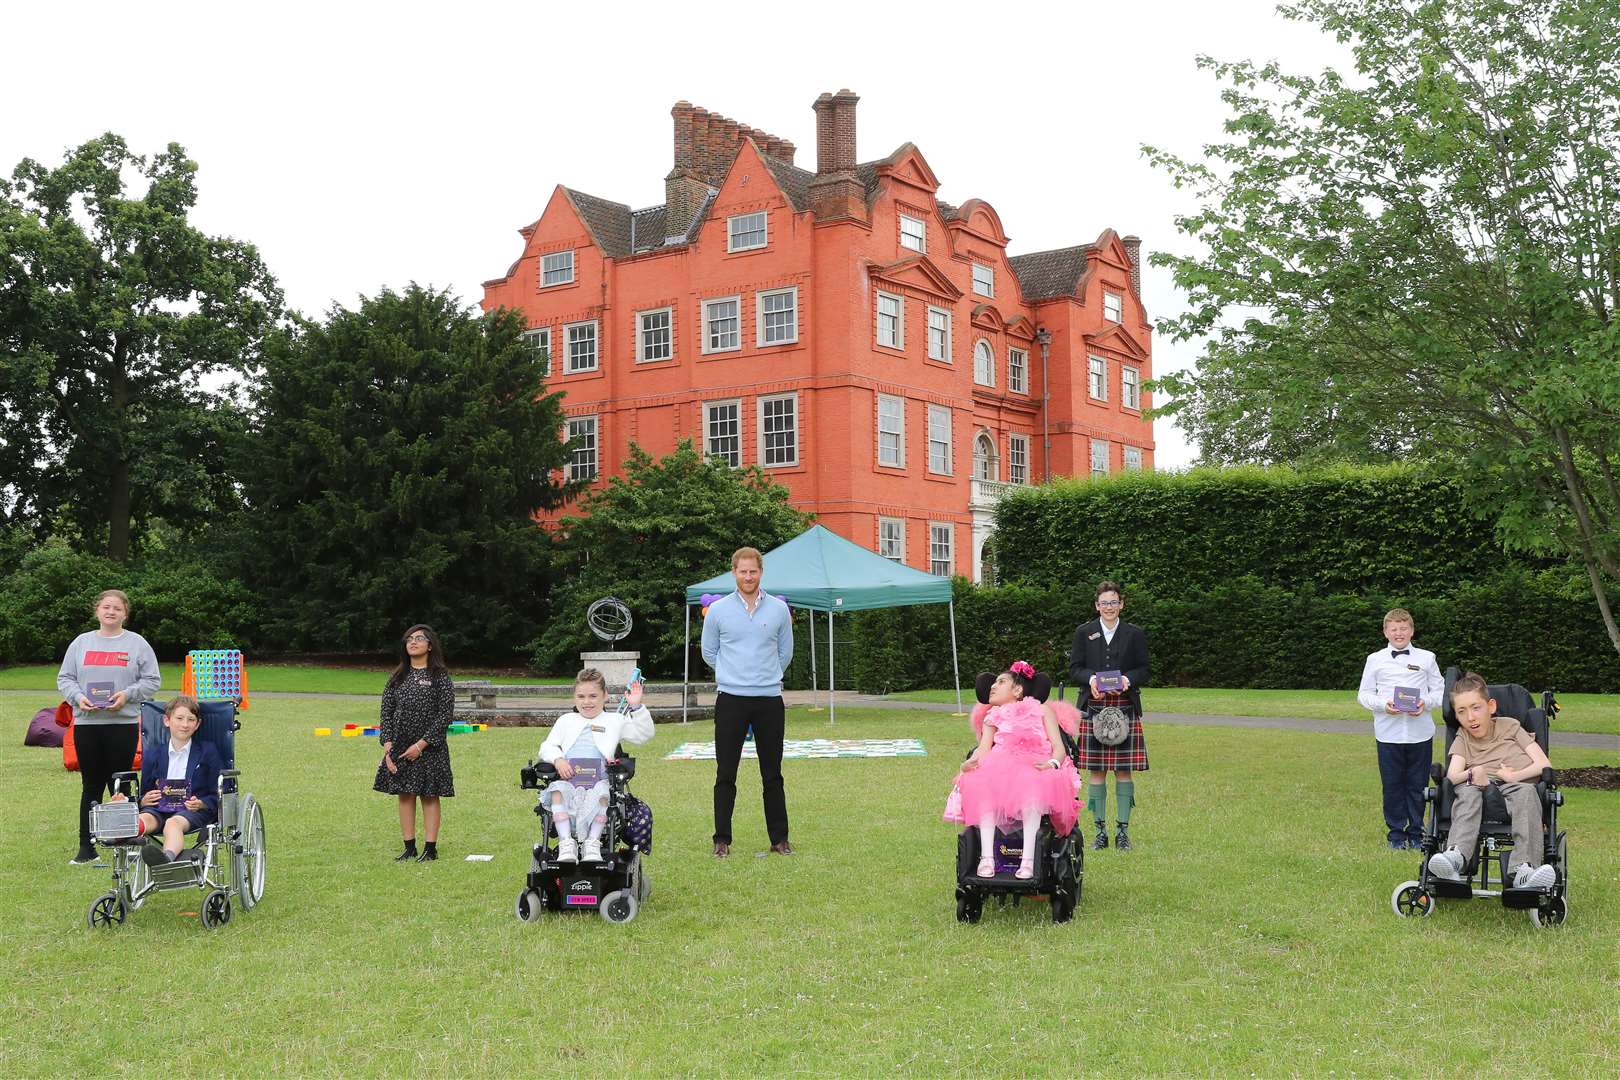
(1114, 336)
(794, 181)
(608, 222)
(1045, 274)
(919, 272)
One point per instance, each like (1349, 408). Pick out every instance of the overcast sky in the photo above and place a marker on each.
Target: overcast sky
(370, 145)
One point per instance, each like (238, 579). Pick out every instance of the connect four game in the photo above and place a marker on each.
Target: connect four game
(216, 674)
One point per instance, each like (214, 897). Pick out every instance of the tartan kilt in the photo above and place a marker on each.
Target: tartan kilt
(1130, 755)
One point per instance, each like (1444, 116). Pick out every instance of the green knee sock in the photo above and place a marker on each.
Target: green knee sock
(1125, 796)
(1097, 801)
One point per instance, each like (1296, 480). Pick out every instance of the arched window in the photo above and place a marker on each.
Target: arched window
(984, 364)
(984, 458)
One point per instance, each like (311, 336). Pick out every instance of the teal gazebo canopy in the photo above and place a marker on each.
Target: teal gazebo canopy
(822, 571)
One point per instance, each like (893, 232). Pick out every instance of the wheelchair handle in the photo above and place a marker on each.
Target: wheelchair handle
(119, 779)
(227, 781)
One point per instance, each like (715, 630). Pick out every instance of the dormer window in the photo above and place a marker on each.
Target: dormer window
(745, 232)
(556, 268)
(984, 279)
(913, 233)
(1113, 307)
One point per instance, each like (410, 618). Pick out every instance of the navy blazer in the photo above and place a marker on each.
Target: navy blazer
(204, 769)
(1127, 654)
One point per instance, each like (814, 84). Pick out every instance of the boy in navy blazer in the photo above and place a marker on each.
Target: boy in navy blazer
(182, 758)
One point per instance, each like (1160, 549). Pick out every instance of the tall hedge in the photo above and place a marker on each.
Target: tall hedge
(1338, 530)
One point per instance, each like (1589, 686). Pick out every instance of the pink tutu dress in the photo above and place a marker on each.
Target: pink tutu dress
(1007, 780)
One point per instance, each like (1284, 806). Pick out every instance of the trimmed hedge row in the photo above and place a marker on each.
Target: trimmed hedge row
(1516, 626)
(1348, 529)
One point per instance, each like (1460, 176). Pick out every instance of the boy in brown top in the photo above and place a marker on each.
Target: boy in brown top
(1492, 749)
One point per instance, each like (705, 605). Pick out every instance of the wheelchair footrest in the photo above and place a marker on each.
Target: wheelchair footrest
(1521, 899)
(1451, 890)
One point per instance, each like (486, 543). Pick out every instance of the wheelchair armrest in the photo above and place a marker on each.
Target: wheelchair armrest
(227, 781)
(124, 782)
(622, 769)
(1549, 777)
(536, 774)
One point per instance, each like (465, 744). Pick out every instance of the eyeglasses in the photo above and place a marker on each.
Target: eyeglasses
(1109, 603)
(419, 638)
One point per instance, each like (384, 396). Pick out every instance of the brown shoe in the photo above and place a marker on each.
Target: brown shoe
(721, 849)
(783, 848)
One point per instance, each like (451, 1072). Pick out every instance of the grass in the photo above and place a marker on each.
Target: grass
(1598, 713)
(1249, 932)
(278, 678)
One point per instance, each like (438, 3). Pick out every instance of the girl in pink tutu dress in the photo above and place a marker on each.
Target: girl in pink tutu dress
(1018, 771)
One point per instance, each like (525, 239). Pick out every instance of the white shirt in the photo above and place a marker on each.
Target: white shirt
(1108, 631)
(179, 761)
(1380, 676)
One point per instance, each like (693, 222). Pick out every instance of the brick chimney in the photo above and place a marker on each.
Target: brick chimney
(836, 192)
(1133, 248)
(705, 146)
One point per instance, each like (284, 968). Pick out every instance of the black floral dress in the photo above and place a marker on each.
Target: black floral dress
(419, 706)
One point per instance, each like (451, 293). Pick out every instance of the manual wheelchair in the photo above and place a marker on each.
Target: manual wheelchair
(617, 885)
(227, 859)
(1548, 905)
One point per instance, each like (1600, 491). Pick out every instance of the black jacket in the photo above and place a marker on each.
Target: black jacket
(1091, 653)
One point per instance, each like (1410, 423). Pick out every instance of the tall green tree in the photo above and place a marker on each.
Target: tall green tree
(399, 453)
(649, 534)
(119, 324)
(1422, 258)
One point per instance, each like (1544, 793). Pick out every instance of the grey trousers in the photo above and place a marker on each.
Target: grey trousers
(1524, 808)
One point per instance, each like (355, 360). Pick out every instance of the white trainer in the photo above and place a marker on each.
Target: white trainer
(1524, 877)
(593, 851)
(1447, 865)
(568, 850)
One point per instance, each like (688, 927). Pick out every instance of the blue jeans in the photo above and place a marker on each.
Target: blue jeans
(1404, 770)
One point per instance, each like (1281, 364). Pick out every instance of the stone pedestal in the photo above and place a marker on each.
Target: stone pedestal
(616, 667)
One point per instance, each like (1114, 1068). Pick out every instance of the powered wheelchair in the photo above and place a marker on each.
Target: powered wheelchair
(1059, 860)
(616, 886)
(1548, 905)
(227, 859)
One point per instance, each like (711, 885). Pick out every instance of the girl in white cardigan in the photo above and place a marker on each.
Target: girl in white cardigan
(579, 743)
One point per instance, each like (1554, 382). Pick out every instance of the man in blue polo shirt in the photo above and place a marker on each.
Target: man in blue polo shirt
(748, 641)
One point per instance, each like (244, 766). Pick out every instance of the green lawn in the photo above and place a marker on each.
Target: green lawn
(1250, 932)
(281, 678)
(1577, 712)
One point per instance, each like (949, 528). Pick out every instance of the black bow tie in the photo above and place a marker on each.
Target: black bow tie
(1393, 653)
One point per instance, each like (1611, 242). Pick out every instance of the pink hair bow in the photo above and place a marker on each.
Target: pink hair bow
(1021, 667)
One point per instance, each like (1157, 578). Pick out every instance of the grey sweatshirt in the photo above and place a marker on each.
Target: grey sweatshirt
(125, 661)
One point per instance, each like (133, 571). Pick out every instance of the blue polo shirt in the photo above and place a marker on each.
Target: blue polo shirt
(748, 652)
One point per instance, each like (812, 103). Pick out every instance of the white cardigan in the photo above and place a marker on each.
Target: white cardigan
(635, 726)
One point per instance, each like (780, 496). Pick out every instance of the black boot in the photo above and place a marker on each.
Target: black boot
(1121, 840)
(430, 852)
(408, 854)
(1100, 841)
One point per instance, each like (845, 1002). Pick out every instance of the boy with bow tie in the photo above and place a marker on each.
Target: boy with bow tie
(1400, 684)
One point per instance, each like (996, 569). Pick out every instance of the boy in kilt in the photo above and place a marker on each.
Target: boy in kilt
(1108, 644)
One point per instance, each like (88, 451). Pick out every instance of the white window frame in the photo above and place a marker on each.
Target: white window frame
(760, 321)
(1133, 458)
(761, 426)
(899, 317)
(547, 271)
(709, 454)
(921, 237)
(947, 549)
(1113, 306)
(707, 344)
(577, 468)
(1018, 370)
(738, 225)
(1130, 387)
(932, 311)
(642, 331)
(896, 428)
(984, 279)
(1097, 377)
(1017, 459)
(1107, 457)
(988, 460)
(570, 367)
(984, 362)
(892, 545)
(537, 339)
(936, 412)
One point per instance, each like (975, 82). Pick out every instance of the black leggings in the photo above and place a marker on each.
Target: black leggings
(103, 749)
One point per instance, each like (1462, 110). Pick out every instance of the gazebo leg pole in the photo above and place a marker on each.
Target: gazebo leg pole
(832, 667)
(814, 683)
(686, 664)
(956, 672)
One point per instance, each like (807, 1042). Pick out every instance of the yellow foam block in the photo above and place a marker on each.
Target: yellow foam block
(323, 731)
(349, 733)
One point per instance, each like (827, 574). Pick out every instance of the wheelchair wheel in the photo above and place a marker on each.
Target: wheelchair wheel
(250, 863)
(137, 876)
(1553, 913)
(968, 908)
(106, 910)
(1411, 898)
(619, 906)
(1062, 908)
(643, 885)
(529, 905)
(216, 909)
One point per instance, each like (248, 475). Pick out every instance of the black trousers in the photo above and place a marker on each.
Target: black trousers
(103, 749)
(1404, 770)
(733, 715)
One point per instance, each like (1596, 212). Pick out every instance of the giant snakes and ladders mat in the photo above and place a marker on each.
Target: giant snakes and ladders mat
(811, 748)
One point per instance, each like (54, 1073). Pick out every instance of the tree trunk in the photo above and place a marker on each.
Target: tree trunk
(118, 497)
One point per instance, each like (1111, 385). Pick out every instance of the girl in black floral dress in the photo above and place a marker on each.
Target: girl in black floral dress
(417, 705)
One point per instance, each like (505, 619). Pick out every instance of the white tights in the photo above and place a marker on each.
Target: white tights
(987, 834)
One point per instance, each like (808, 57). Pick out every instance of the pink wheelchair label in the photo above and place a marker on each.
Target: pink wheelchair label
(585, 901)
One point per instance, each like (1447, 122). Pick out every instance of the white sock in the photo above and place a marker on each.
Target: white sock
(595, 835)
(987, 837)
(1032, 822)
(564, 830)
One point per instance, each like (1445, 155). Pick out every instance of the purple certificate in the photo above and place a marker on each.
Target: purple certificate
(172, 796)
(100, 694)
(1406, 700)
(587, 771)
(1110, 682)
